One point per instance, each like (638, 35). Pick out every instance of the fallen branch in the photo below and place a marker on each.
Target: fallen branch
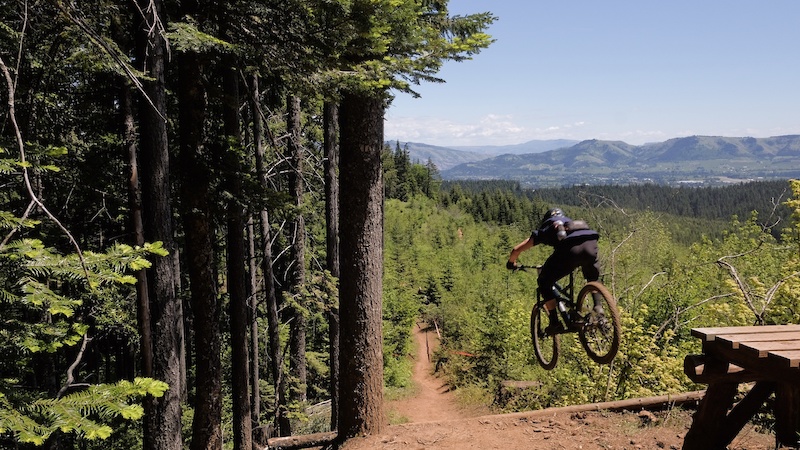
(303, 441)
(633, 404)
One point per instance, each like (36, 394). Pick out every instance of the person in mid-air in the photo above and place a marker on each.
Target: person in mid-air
(574, 245)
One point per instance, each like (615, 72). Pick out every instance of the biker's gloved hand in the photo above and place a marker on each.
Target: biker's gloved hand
(511, 265)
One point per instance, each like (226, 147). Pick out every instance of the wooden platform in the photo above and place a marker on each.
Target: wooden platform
(767, 355)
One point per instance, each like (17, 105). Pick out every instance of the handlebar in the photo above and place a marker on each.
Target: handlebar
(524, 268)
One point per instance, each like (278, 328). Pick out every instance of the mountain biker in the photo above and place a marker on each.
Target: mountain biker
(574, 245)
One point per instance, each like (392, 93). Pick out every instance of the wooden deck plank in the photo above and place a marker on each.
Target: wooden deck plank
(734, 340)
(710, 333)
(763, 348)
(790, 357)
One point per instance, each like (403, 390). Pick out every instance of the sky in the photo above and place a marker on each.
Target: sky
(636, 71)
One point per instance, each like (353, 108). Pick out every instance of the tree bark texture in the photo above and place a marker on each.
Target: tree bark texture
(163, 420)
(199, 230)
(360, 291)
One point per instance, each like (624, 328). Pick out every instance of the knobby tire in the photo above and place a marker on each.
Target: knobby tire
(545, 347)
(600, 336)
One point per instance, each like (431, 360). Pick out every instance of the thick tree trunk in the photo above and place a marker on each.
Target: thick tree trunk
(330, 119)
(199, 229)
(237, 287)
(273, 325)
(361, 240)
(297, 338)
(163, 420)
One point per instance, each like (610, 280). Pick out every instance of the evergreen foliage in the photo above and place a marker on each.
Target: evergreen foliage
(51, 303)
(404, 179)
(689, 212)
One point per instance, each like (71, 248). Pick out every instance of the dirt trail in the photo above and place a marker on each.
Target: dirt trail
(436, 422)
(433, 401)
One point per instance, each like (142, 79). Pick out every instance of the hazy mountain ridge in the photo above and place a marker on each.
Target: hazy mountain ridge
(526, 147)
(443, 157)
(701, 159)
(447, 157)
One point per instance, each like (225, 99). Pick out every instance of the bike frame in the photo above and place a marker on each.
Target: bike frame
(567, 293)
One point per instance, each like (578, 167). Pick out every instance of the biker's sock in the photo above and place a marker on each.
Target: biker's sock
(553, 316)
(598, 302)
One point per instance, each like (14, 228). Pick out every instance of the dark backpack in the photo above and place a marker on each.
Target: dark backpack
(576, 225)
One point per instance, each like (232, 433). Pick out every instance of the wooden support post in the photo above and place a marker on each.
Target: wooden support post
(709, 419)
(744, 411)
(787, 414)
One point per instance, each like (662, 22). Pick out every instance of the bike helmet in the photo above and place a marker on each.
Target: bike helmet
(553, 212)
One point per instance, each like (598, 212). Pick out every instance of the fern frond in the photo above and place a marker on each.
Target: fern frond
(87, 412)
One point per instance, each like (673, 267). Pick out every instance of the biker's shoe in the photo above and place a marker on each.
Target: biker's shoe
(554, 328)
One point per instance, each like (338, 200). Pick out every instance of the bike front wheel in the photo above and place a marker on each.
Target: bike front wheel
(545, 346)
(601, 332)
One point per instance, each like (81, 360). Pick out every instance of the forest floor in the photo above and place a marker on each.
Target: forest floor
(435, 420)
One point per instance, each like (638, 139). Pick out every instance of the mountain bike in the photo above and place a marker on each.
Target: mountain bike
(598, 329)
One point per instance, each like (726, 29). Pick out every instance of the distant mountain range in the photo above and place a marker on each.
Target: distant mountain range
(697, 160)
(448, 157)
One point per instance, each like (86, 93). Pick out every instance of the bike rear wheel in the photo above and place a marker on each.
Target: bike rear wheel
(601, 332)
(545, 346)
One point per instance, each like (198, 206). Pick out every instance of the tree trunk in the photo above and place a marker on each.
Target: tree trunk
(297, 338)
(199, 229)
(255, 392)
(273, 325)
(252, 294)
(361, 240)
(330, 120)
(239, 312)
(237, 288)
(135, 205)
(163, 420)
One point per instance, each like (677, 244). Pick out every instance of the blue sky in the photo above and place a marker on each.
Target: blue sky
(636, 71)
